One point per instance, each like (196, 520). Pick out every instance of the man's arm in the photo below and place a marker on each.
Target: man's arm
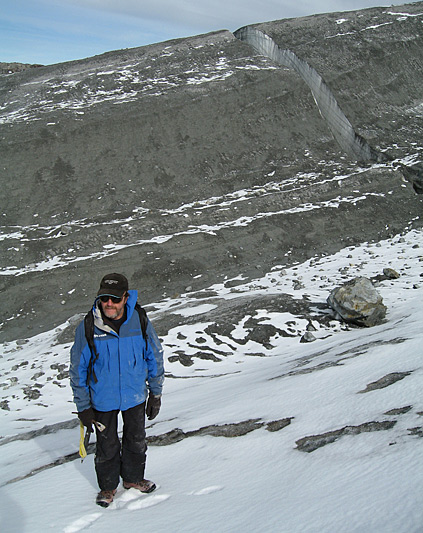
(79, 362)
(155, 353)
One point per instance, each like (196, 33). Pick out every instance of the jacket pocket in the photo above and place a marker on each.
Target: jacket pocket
(138, 348)
(105, 393)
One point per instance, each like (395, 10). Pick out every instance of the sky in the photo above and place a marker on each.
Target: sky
(54, 31)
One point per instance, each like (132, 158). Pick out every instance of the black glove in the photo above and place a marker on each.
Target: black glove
(86, 417)
(153, 406)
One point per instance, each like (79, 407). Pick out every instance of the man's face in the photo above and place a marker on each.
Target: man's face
(113, 310)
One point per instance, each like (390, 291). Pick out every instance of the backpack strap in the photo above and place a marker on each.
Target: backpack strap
(89, 335)
(143, 320)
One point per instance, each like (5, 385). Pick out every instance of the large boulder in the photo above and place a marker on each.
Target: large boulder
(357, 301)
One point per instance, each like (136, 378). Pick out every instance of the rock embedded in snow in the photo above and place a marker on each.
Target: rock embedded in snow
(308, 337)
(313, 442)
(357, 301)
(4, 404)
(390, 273)
(298, 285)
(385, 381)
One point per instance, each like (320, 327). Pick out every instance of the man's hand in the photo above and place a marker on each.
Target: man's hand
(87, 417)
(153, 406)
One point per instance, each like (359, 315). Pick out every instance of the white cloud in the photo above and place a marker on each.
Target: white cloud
(220, 14)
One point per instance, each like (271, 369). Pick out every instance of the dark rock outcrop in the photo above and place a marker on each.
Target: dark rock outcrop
(313, 442)
(386, 381)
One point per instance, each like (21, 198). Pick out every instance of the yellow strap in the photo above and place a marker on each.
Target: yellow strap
(82, 450)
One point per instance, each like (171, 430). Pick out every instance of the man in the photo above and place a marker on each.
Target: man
(117, 377)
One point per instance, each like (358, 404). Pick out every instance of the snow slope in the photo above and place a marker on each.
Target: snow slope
(366, 477)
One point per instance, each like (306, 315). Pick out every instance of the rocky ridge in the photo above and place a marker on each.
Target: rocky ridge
(11, 68)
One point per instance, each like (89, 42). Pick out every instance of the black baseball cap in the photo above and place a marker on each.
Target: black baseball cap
(113, 285)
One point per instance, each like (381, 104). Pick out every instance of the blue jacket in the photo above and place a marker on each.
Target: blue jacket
(126, 369)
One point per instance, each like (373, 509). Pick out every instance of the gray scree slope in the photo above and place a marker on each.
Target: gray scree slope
(189, 161)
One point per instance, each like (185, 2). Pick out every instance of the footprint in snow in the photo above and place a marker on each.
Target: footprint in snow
(122, 498)
(82, 523)
(206, 490)
(149, 501)
(133, 499)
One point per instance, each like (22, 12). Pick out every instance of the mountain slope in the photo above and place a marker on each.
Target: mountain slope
(184, 162)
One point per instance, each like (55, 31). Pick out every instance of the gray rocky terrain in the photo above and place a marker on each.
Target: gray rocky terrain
(189, 162)
(10, 68)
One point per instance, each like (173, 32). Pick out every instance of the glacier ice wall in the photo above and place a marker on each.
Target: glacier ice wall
(341, 128)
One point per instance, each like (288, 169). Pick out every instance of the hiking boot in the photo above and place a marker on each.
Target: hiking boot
(144, 485)
(105, 497)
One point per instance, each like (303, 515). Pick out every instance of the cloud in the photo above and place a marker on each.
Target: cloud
(219, 14)
(216, 15)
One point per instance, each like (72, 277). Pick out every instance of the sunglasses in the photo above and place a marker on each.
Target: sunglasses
(115, 299)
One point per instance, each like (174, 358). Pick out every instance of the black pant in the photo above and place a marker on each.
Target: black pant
(113, 460)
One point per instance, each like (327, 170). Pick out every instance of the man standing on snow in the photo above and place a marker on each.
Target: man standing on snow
(123, 369)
